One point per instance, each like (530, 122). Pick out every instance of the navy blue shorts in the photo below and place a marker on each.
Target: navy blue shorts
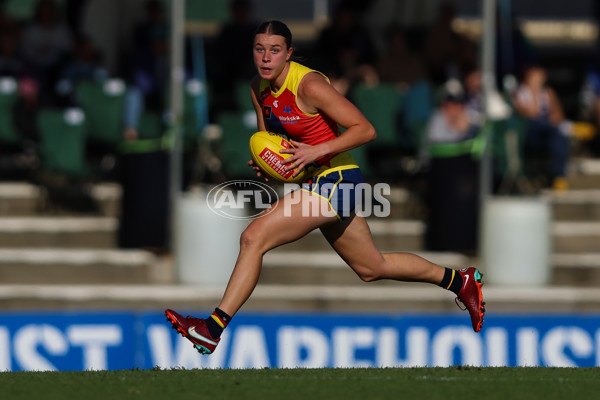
(338, 187)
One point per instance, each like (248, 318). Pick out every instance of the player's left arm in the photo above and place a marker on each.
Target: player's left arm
(315, 94)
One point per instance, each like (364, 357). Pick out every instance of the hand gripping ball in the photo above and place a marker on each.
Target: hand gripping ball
(264, 148)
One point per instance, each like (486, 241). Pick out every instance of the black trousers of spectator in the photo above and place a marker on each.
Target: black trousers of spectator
(453, 205)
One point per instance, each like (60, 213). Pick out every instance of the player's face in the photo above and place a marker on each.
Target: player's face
(270, 55)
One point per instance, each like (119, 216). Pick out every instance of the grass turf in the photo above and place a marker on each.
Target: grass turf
(290, 384)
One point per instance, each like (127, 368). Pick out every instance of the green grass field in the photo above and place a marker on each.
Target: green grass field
(307, 384)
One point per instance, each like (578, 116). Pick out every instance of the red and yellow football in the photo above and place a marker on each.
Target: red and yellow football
(264, 148)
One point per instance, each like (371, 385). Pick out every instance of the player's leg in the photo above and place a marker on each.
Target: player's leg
(289, 221)
(286, 221)
(352, 240)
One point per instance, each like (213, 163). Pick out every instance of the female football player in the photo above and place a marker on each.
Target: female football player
(294, 100)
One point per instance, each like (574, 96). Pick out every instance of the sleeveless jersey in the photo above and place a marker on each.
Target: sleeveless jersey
(282, 116)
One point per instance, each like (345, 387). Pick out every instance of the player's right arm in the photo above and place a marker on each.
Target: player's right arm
(260, 118)
(254, 89)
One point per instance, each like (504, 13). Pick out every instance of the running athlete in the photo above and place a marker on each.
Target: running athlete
(292, 99)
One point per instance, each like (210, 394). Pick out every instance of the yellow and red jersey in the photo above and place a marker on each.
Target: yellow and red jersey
(283, 116)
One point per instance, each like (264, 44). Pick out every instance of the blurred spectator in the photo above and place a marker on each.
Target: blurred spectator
(445, 51)
(344, 49)
(398, 64)
(231, 60)
(85, 63)
(46, 42)
(590, 101)
(547, 129)
(452, 122)
(453, 191)
(149, 73)
(473, 84)
(496, 105)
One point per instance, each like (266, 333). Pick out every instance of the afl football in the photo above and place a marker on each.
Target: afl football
(264, 148)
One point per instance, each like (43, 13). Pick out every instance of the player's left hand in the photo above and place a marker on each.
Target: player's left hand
(302, 155)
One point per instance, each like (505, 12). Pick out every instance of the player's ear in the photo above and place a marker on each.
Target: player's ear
(289, 54)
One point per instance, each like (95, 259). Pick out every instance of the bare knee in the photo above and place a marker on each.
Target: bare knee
(249, 239)
(253, 239)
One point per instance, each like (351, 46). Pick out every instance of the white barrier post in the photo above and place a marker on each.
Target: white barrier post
(517, 241)
(207, 244)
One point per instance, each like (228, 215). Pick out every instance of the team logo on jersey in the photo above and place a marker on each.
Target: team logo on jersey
(287, 109)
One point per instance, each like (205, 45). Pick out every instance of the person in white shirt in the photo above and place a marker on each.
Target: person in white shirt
(547, 128)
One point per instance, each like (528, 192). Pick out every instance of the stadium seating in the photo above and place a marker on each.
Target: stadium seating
(23, 9)
(201, 11)
(242, 93)
(237, 129)
(62, 142)
(150, 125)
(417, 108)
(381, 105)
(103, 105)
(399, 118)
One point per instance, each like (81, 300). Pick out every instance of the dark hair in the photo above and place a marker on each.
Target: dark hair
(275, 27)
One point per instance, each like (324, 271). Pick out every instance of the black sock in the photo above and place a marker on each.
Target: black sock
(452, 280)
(217, 322)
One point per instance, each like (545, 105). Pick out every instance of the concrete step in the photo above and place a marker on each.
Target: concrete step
(58, 231)
(357, 298)
(584, 174)
(93, 266)
(404, 204)
(389, 234)
(576, 237)
(82, 266)
(571, 205)
(580, 269)
(575, 205)
(19, 199)
(26, 199)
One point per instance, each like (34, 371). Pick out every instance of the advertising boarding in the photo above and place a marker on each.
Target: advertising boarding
(112, 341)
